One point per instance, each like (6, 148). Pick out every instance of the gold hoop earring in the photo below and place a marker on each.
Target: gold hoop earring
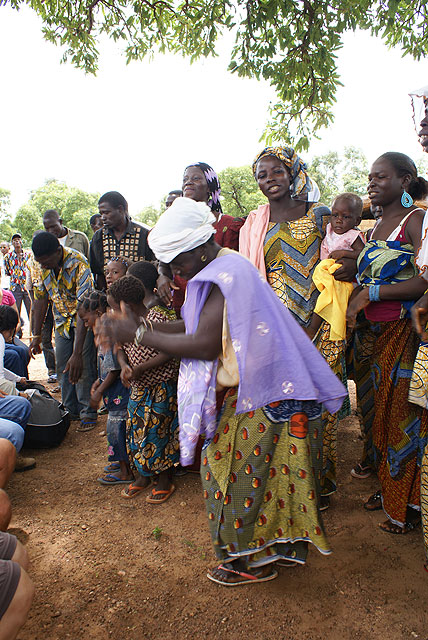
(203, 258)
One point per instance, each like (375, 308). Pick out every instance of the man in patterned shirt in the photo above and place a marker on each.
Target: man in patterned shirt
(15, 265)
(119, 236)
(65, 278)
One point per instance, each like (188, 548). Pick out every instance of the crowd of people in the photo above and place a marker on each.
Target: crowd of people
(226, 344)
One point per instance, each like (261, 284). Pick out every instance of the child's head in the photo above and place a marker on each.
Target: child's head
(346, 212)
(129, 290)
(116, 268)
(8, 321)
(91, 307)
(146, 273)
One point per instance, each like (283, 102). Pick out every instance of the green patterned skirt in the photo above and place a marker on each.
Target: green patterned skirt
(261, 475)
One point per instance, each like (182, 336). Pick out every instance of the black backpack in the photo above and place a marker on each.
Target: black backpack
(48, 422)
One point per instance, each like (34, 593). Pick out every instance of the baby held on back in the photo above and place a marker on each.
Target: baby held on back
(342, 240)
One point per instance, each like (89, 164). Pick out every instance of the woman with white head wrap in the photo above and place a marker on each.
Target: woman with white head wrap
(189, 228)
(262, 458)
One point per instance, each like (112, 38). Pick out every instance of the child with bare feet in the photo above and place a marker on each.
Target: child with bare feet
(152, 431)
(342, 240)
(109, 389)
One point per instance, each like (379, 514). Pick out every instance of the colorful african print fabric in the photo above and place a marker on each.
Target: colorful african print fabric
(152, 428)
(399, 435)
(424, 493)
(35, 272)
(334, 353)
(359, 356)
(386, 262)
(15, 266)
(292, 251)
(260, 475)
(66, 290)
(418, 392)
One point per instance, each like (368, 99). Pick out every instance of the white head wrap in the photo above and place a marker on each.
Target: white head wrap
(185, 225)
(419, 100)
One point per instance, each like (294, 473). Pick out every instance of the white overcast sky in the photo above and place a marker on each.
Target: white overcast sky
(134, 128)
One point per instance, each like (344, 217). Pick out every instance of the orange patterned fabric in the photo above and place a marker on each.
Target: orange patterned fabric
(399, 435)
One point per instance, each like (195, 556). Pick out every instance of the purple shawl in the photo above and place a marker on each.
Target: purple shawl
(276, 359)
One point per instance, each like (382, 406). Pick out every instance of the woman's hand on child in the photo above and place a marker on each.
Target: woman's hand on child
(95, 386)
(359, 300)
(164, 286)
(347, 271)
(96, 397)
(420, 317)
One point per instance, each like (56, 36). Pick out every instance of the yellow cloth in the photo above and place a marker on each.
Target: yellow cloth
(333, 298)
(227, 370)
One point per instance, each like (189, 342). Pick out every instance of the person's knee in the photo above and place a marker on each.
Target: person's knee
(17, 611)
(21, 556)
(12, 360)
(5, 510)
(7, 460)
(23, 410)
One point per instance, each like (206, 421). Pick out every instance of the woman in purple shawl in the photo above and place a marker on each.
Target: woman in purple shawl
(262, 460)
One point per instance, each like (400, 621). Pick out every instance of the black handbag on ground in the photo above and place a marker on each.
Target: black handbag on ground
(49, 420)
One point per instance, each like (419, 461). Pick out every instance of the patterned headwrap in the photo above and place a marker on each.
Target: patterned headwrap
(301, 183)
(213, 185)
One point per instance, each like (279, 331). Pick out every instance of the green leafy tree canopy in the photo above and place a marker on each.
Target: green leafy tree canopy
(239, 191)
(336, 173)
(293, 45)
(73, 205)
(6, 227)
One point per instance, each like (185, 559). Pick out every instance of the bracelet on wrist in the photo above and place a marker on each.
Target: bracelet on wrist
(39, 335)
(374, 292)
(139, 334)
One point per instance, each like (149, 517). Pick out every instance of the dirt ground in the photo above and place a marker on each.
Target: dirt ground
(106, 568)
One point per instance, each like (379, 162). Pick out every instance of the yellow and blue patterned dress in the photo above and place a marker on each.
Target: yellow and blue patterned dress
(292, 251)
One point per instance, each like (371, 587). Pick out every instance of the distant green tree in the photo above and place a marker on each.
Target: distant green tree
(325, 171)
(150, 214)
(335, 173)
(355, 170)
(239, 191)
(74, 205)
(422, 166)
(6, 227)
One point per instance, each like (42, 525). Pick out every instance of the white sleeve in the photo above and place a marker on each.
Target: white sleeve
(5, 373)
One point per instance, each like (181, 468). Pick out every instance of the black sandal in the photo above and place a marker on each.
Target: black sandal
(374, 503)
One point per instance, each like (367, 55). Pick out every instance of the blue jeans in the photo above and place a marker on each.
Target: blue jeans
(116, 436)
(16, 357)
(14, 412)
(75, 397)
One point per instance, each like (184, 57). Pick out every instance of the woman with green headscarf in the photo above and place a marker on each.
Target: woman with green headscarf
(283, 239)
